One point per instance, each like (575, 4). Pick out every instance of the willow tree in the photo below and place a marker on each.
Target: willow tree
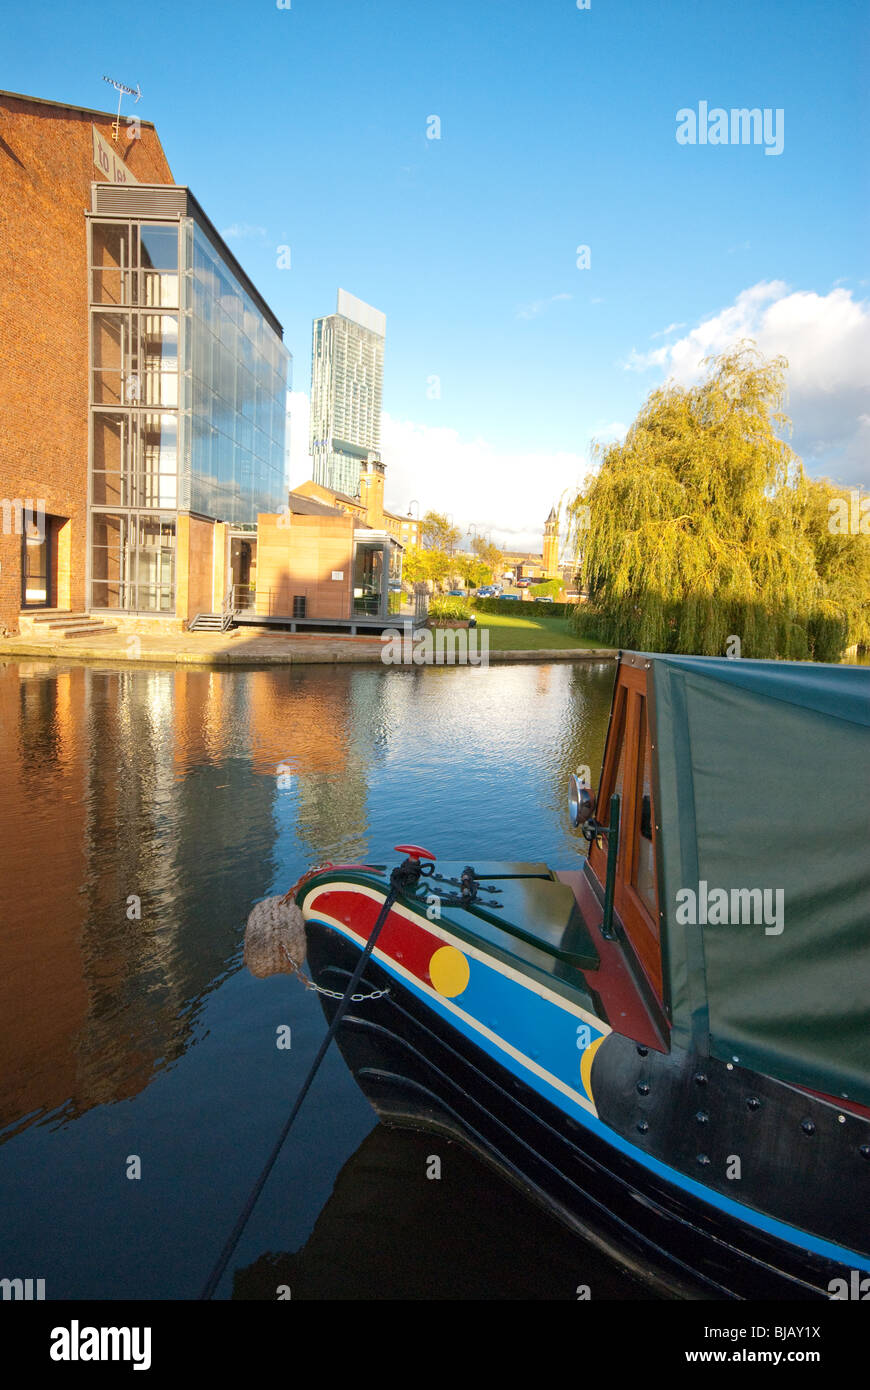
(837, 525)
(692, 530)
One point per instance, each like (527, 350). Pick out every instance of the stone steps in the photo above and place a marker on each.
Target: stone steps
(53, 623)
(207, 622)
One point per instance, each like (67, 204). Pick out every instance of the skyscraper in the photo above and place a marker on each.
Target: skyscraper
(347, 370)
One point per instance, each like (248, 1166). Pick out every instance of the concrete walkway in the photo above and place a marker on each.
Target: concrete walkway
(243, 648)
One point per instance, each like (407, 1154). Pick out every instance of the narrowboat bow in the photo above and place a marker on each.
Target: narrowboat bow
(667, 1045)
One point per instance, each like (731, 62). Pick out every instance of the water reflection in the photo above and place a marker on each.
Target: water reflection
(143, 813)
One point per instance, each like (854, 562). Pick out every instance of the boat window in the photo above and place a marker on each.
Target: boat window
(644, 862)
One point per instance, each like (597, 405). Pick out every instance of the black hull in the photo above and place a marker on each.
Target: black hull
(419, 1072)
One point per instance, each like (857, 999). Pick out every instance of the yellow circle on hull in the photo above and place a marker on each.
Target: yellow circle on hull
(449, 971)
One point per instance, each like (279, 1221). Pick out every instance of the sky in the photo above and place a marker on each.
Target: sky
(310, 125)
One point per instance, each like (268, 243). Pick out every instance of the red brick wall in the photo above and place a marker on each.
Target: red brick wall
(46, 170)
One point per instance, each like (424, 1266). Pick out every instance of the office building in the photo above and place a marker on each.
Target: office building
(347, 369)
(143, 382)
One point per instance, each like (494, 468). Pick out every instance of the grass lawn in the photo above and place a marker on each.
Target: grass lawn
(519, 634)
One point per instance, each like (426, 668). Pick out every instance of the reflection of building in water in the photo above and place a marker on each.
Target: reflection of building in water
(307, 719)
(93, 1000)
(43, 999)
(159, 786)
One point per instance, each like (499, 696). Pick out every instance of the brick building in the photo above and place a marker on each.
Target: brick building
(142, 381)
(368, 505)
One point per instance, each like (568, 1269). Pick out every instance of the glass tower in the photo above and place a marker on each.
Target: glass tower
(347, 371)
(189, 377)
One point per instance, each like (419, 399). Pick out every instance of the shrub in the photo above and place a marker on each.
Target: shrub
(443, 606)
(549, 587)
(524, 608)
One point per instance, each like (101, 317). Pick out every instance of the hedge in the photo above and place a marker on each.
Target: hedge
(524, 607)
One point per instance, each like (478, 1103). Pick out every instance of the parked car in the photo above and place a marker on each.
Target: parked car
(515, 598)
(457, 593)
(523, 583)
(545, 598)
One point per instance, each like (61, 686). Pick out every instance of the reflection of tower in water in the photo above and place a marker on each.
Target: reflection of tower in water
(180, 838)
(322, 724)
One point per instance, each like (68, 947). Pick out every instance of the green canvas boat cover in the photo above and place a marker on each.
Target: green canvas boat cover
(762, 782)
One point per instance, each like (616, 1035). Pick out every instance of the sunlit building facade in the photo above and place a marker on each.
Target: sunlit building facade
(189, 377)
(143, 384)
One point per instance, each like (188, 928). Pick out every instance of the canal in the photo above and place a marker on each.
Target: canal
(144, 811)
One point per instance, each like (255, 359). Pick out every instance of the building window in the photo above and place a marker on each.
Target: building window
(135, 459)
(133, 562)
(368, 579)
(134, 264)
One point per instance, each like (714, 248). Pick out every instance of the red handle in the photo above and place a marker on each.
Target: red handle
(414, 852)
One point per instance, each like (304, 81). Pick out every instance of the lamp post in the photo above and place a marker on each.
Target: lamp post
(414, 503)
(450, 524)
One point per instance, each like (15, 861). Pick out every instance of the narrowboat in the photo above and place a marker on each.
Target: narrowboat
(665, 1043)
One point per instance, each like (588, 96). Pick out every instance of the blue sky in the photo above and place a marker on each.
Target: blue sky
(307, 127)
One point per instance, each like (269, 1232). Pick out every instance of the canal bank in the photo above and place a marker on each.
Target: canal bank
(240, 648)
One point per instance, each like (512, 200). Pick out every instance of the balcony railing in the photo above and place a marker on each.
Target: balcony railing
(278, 602)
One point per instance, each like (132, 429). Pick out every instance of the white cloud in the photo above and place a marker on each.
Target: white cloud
(665, 332)
(298, 460)
(826, 339)
(243, 231)
(509, 494)
(532, 311)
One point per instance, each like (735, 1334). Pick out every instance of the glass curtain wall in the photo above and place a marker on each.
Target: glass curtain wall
(134, 282)
(235, 385)
(188, 400)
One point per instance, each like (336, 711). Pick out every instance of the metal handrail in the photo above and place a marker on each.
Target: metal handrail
(277, 602)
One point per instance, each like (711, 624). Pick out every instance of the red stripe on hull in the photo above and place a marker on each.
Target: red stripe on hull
(407, 943)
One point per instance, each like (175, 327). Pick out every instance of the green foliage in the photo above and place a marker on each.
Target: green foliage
(419, 564)
(436, 532)
(394, 602)
(443, 606)
(472, 570)
(489, 554)
(523, 609)
(551, 587)
(697, 528)
(414, 565)
(842, 561)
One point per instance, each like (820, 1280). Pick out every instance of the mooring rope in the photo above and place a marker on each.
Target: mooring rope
(403, 877)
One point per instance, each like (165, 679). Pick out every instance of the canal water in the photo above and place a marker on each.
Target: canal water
(144, 811)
